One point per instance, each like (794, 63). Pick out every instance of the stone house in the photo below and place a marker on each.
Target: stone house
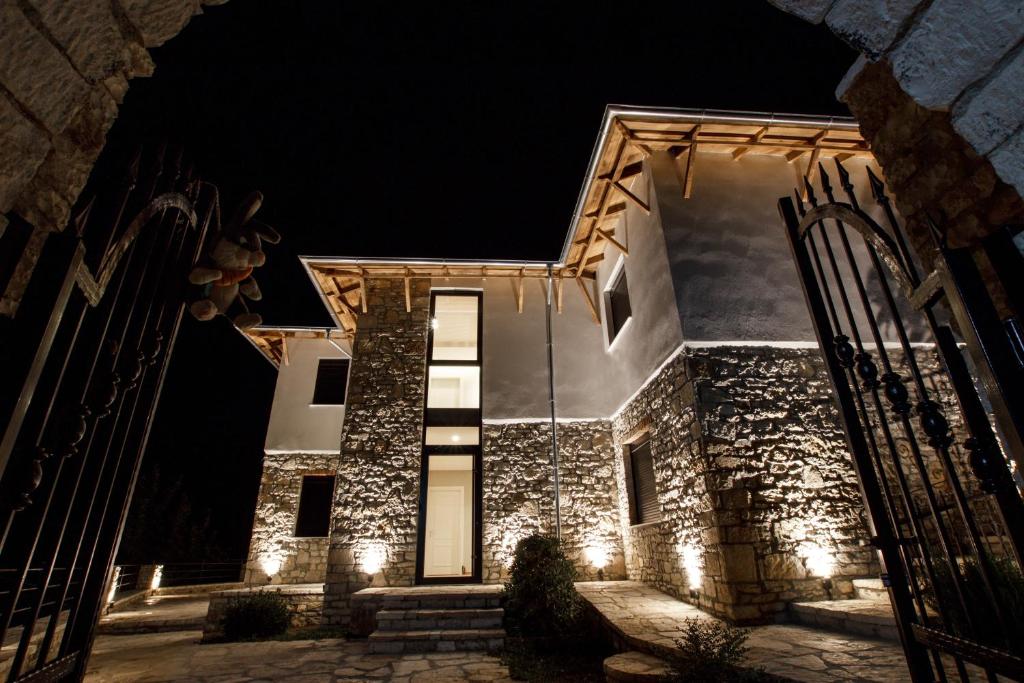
(698, 449)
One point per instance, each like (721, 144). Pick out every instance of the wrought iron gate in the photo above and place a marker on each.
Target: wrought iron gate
(83, 365)
(944, 510)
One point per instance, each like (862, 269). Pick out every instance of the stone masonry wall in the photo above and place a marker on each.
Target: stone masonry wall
(377, 486)
(518, 491)
(300, 560)
(753, 479)
(64, 71)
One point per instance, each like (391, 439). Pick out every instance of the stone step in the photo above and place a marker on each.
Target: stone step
(433, 597)
(870, 589)
(859, 617)
(427, 619)
(636, 667)
(437, 640)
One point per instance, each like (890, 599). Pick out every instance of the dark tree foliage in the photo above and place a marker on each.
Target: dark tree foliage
(259, 615)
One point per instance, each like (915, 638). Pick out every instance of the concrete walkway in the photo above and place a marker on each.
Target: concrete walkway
(650, 621)
(178, 656)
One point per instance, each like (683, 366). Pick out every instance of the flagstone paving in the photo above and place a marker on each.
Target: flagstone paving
(177, 656)
(650, 621)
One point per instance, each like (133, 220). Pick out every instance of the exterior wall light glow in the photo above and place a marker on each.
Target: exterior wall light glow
(818, 559)
(113, 584)
(158, 575)
(597, 556)
(434, 324)
(372, 558)
(691, 563)
(456, 437)
(270, 564)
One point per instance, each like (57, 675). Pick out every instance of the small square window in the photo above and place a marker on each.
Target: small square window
(640, 486)
(617, 308)
(314, 516)
(331, 382)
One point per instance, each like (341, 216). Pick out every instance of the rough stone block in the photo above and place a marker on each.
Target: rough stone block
(738, 562)
(24, 149)
(36, 73)
(160, 20)
(813, 11)
(870, 26)
(949, 48)
(997, 109)
(89, 33)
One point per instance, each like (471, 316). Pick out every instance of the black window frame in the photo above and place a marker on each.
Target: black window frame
(305, 504)
(641, 486)
(320, 386)
(613, 299)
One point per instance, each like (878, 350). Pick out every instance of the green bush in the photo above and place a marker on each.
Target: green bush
(259, 615)
(711, 652)
(542, 601)
(1009, 589)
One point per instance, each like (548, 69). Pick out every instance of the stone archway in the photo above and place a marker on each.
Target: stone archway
(64, 72)
(947, 125)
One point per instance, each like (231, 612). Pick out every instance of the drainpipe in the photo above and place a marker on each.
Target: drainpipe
(551, 402)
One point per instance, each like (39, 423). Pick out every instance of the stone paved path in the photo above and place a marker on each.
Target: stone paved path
(158, 613)
(651, 621)
(177, 656)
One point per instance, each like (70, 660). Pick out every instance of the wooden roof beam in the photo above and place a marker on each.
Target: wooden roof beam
(740, 151)
(614, 242)
(591, 306)
(408, 291)
(631, 197)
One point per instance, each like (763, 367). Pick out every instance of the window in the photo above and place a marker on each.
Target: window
(454, 326)
(643, 496)
(616, 303)
(314, 517)
(331, 382)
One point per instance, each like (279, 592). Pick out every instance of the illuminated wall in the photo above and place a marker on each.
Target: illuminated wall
(757, 493)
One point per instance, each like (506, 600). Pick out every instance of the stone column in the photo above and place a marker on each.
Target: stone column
(378, 483)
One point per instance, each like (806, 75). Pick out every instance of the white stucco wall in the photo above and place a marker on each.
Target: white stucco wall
(733, 274)
(295, 425)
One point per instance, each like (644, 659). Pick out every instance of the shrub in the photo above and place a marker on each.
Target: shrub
(542, 601)
(1009, 589)
(711, 652)
(259, 615)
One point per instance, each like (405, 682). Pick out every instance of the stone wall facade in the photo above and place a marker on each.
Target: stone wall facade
(274, 547)
(753, 480)
(64, 72)
(378, 481)
(518, 495)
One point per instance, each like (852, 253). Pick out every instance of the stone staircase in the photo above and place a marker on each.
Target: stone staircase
(869, 614)
(435, 618)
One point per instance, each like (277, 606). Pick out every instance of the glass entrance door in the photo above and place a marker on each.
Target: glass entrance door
(450, 520)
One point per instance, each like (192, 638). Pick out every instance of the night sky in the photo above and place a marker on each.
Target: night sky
(427, 130)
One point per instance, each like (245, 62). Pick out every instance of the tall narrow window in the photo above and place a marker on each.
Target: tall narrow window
(331, 382)
(643, 495)
(314, 517)
(617, 307)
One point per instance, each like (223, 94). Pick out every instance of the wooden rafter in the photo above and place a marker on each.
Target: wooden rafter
(591, 305)
(558, 294)
(739, 152)
(614, 242)
(361, 282)
(631, 197)
(517, 291)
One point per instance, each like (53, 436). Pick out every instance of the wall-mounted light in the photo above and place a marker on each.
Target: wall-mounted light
(270, 563)
(597, 555)
(434, 323)
(113, 585)
(691, 563)
(158, 575)
(372, 558)
(818, 559)
(456, 438)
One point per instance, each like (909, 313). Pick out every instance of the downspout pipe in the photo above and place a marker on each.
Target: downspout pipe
(551, 403)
